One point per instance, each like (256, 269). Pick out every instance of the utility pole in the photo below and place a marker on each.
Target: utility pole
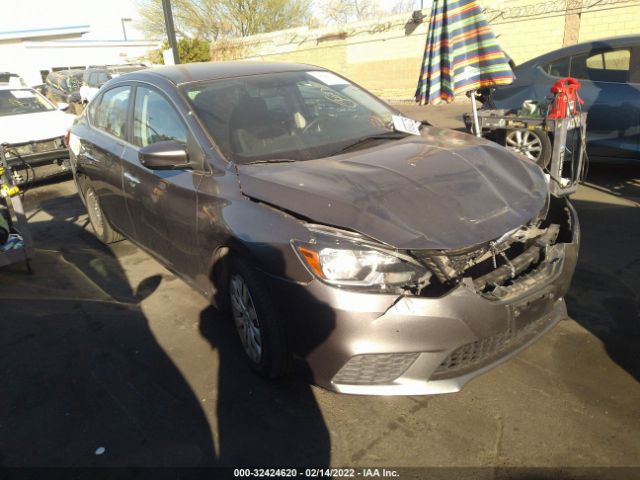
(171, 32)
(124, 30)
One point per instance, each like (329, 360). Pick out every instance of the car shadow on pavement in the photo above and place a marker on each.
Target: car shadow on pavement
(80, 369)
(262, 423)
(604, 297)
(269, 423)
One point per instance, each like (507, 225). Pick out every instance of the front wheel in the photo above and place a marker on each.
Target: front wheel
(260, 331)
(100, 224)
(533, 144)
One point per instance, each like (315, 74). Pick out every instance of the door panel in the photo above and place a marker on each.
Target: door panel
(613, 124)
(162, 203)
(162, 206)
(613, 103)
(104, 153)
(101, 159)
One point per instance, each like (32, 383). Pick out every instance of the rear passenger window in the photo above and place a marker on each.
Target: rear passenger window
(611, 66)
(111, 114)
(155, 120)
(558, 68)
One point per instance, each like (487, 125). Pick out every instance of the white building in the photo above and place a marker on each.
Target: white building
(33, 53)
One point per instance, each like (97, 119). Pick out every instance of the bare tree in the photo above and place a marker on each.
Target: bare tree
(248, 17)
(403, 6)
(345, 11)
(214, 19)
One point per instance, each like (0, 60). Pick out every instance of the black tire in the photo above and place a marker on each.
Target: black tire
(539, 139)
(274, 358)
(99, 222)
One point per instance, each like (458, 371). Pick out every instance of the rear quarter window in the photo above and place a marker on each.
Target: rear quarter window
(558, 68)
(609, 66)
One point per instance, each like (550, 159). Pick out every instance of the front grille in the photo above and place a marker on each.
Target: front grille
(374, 369)
(448, 267)
(495, 264)
(475, 355)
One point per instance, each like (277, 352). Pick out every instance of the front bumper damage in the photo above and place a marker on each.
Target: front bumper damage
(485, 305)
(38, 160)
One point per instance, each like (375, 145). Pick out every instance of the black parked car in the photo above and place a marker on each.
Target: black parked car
(392, 257)
(64, 87)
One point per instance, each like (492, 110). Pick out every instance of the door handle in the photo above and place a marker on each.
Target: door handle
(133, 180)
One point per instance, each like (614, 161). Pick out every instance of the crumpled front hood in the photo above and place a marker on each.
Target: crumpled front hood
(30, 127)
(443, 190)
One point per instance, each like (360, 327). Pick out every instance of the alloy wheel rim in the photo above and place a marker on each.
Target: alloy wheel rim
(245, 317)
(525, 142)
(95, 214)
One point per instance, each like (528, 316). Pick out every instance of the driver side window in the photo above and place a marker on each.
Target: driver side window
(155, 119)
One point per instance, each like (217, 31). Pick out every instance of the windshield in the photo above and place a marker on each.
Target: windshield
(18, 102)
(290, 115)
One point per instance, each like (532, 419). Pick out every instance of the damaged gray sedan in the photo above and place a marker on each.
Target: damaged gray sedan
(379, 255)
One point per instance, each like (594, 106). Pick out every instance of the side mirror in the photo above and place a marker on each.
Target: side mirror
(63, 106)
(168, 155)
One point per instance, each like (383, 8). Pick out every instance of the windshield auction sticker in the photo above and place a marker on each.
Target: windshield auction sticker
(406, 125)
(329, 78)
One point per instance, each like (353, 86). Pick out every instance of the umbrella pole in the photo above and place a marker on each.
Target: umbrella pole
(474, 109)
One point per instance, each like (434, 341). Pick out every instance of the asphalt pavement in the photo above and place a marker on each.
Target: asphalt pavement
(107, 359)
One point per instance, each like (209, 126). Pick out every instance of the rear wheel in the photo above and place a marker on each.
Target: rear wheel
(533, 144)
(99, 222)
(260, 331)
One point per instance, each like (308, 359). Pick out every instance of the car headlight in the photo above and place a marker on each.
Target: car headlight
(343, 259)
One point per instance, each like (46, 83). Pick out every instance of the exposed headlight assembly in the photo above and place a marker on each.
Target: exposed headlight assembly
(347, 260)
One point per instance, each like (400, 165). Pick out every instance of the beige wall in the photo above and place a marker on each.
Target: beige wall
(385, 55)
(605, 23)
(523, 40)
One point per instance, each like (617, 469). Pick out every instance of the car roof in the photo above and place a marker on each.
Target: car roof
(610, 42)
(196, 72)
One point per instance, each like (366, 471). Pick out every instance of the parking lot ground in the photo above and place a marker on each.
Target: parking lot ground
(103, 347)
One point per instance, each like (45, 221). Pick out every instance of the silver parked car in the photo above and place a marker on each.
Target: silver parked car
(609, 71)
(387, 256)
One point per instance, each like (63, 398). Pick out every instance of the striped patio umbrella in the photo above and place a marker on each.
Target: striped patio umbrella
(461, 54)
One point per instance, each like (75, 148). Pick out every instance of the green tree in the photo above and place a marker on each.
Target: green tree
(194, 50)
(214, 19)
(190, 50)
